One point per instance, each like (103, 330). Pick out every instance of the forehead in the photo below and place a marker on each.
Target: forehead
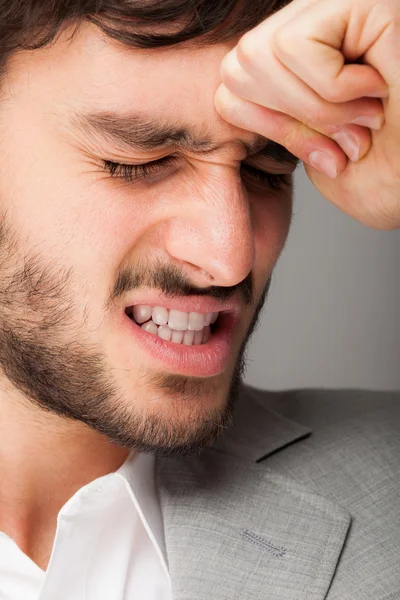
(92, 71)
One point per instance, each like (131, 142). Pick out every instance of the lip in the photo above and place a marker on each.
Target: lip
(199, 304)
(204, 360)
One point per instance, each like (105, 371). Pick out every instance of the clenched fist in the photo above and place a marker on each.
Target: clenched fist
(322, 78)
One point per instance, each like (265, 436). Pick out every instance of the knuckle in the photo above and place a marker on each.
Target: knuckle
(246, 50)
(225, 111)
(330, 92)
(288, 139)
(226, 72)
(284, 41)
(221, 104)
(231, 72)
(316, 115)
(226, 65)
(227, 106)
(389, 11)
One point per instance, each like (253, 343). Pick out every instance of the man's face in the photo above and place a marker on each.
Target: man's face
(81, 247)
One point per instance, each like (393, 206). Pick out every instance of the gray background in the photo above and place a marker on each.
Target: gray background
(333, 314)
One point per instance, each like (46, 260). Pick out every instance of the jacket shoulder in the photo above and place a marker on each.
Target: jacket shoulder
(315, 408)
(351, 458)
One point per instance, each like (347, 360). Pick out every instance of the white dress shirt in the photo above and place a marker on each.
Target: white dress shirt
(109, 544)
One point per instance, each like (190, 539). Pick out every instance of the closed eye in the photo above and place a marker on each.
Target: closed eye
(274, 181)
(134, 173)
(149, 170)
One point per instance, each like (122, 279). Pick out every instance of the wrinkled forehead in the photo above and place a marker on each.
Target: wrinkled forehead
(93, 71)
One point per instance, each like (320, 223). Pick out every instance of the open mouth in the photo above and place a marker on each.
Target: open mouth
(196, 344)
(187, 328)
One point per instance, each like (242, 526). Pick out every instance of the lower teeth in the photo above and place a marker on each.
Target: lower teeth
(187, 338)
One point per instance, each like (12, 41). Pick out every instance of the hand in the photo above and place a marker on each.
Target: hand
(322, 78)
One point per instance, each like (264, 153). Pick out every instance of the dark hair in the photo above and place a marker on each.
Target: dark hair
(33, 24)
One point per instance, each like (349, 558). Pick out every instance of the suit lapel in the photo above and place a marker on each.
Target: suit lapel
(235, 529)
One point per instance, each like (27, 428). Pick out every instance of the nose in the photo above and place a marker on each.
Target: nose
(212, 236)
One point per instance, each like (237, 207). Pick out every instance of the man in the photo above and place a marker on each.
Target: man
(143, 207)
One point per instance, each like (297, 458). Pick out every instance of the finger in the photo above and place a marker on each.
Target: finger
(315, 49)
(354, 141)
(287, 93)
(299, 139)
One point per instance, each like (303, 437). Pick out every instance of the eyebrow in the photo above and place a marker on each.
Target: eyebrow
(136, 132)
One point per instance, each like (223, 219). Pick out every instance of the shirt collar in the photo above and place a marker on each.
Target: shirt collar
(138, 471)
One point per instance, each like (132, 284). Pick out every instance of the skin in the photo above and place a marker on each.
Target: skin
(335, 98)
(68, 232)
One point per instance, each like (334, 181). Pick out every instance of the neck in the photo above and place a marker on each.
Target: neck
(44, 460)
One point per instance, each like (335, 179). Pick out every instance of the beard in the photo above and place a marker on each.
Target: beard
(46, 356)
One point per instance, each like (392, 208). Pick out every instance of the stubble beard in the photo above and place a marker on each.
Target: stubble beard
(65, 375)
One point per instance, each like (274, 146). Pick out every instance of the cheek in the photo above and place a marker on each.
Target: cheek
(271, 217)
(60, 206)
(70, 218)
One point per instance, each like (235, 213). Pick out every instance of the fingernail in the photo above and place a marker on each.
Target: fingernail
(323, 162)
(348, 144)
(375, 122)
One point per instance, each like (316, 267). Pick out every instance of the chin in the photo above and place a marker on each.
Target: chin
(184, 417)
(176, 394)
(170, 413)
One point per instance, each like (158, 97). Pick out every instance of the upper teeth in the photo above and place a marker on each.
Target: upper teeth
(175, 319)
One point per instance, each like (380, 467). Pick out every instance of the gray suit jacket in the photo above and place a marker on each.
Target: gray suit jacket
(299, 500)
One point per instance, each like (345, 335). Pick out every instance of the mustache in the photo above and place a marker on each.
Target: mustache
(169, 280)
